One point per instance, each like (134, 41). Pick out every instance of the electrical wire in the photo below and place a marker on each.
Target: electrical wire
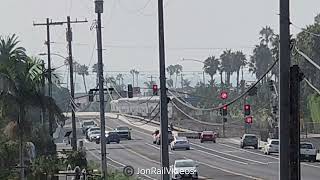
(236, 99)
(307, 58)
(312, 86)
(305, 30)
(136, 11)
(194, 119)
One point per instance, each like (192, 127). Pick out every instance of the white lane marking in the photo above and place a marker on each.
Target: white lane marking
(156, 147)
(142, 156)
(221, 157)
(248, 151)
(231, 151)
(311, 165)
(246, 159)
(228, 171)
(99, 158)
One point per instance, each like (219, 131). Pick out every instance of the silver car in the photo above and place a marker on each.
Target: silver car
(180, 143)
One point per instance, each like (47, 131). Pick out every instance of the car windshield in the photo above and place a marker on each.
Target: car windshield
(122, 128)
(94, 129)
(96, 132)
(88, 123)
(275, 142)
(185, 164)
(305, 146)
(250, 137)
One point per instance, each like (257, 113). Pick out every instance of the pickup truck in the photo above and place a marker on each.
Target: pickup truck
(308, 151)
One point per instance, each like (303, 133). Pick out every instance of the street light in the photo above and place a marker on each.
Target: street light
(196, 60)
(56, 54)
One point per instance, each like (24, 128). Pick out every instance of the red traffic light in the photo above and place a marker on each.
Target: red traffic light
(249, 120)
(246, 107)
(155, 89)
(225, 107)
(224, 95)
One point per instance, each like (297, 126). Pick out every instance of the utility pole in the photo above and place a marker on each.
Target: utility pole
(99, 10)
(70, 59)
(181, 81)
(48, 24)
(163, 97)
(151, 78)
(294, 140)
(284, 84)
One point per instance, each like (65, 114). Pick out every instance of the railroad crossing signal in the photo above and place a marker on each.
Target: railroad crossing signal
(249, 120)
(247, 109)
(224, 95)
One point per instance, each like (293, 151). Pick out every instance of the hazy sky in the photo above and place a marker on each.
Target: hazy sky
(194, 28)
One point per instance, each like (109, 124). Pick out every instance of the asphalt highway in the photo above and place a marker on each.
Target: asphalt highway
(223, 160)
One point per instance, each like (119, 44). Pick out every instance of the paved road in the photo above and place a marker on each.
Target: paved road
(222, 160)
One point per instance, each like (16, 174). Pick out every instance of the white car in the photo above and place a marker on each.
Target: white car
(308, 151)
(180, 143)
(94, 135)
(90, 130)
(272, 146)
(85, 125)
(184, 169)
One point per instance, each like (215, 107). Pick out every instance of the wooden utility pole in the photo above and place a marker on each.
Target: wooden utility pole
(294, 136)
(284, 84)
(70, 59)
(48, 24)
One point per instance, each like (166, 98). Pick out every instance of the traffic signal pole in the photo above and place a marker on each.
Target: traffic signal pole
(163, 97)
(284, 84)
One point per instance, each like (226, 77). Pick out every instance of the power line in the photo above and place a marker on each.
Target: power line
(136, 11)
(312, 86)
(307, 58)
(236, 99)
(305, 30)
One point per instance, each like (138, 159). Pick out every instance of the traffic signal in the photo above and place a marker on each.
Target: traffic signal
(249, 120)
(247, 109)
(155, 89)
(271, 85)
(130, 91)
(90, 96)
(274, 109)
(224, 110)
(224, 95)
(253, 91)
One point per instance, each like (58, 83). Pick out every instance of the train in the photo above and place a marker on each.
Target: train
(140, 106)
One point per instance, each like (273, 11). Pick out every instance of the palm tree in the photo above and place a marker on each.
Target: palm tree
(226, 63)
(120, 79)
(211, 66)
(186, 83)
(83, 71)
(132, 72)
(21, 81)
(137, 76)
(171, 70)
(239, 61)
(95, 70)
(266, 35)
(178, 70)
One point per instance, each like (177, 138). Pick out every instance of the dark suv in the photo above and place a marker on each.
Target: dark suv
(249, 140)
(110, 137)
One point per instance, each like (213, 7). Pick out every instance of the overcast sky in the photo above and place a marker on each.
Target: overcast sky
(193, 28)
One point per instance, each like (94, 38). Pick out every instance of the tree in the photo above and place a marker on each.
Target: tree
(21, 80)
(226, 63)
(171, 70)
(186, 83)
(211, 66)
(317, 19)
(120, 79)
(137, 76)
(177, 70)
(260, 61)
(239, 61)
(83, 71)
(95, 70)
(266, 35)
